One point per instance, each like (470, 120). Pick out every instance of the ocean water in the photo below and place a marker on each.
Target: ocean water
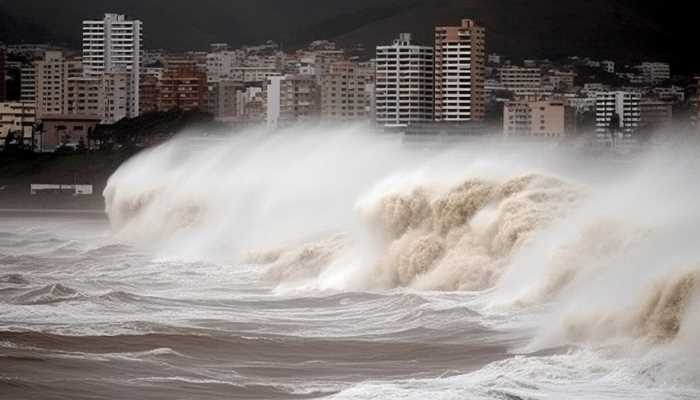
(336, 264)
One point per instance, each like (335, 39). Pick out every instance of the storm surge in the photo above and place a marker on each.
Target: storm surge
(596, 250)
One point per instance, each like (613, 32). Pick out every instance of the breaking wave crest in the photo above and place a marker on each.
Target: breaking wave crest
(595, 249)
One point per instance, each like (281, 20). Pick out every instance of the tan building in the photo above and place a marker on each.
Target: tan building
(532, 117)
(183, 87)
(83, 96)
(460, 72)
(67, 130)
(50, 75)
(522, 81)
(105, 96)
(344, 95)
(17, 117)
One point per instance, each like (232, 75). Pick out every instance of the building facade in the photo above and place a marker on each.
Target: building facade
(292, 99)
(654, 73)
(28, 83)
(521, 81)
(460, 72)
(67, 130)
(655, 114)
(115, 44)
(532, 117)
(18, 118)
(50, 77)
(618, 116)
(223, 99)
(183, 87)
(404, 87)
(344, 95)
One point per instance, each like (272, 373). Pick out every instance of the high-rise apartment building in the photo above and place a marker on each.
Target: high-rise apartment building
(460, 72)
(404, 87)
(28, 83)
(618, 115)
(115, 44)
(50, 76)
(344, 95)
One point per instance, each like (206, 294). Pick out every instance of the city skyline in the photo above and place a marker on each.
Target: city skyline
(596, 28)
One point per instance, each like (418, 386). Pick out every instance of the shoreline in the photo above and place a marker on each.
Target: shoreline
(92, 213)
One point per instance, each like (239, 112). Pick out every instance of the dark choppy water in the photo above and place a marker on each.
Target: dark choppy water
(84, 318)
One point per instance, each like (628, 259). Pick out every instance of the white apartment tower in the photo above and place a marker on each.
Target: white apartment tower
(404, 86)
(115, 44)
(460, 72)
(618, 115)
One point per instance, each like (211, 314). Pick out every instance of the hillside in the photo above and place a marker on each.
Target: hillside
(622, 29)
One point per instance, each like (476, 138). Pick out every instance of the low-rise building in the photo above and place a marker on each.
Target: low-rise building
(17, 118)
(522, 81)
(654, 73)
(67, 130)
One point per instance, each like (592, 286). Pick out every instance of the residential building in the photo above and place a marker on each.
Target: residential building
(223, 99)
(521, 81)
(618, 116)
(83, 95)
(654, 73)
(560, 81)
(344, 95)
(28, 83)
(18, 118)
(251, 74)
(533, 117)
(221, 64)
(105, 97)
(460, 72)
(149, 94)
(50, 75)
(292, 99)
(116, 89)
(655, 113)
(115, 44)
(183, 87)
(404, 88)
